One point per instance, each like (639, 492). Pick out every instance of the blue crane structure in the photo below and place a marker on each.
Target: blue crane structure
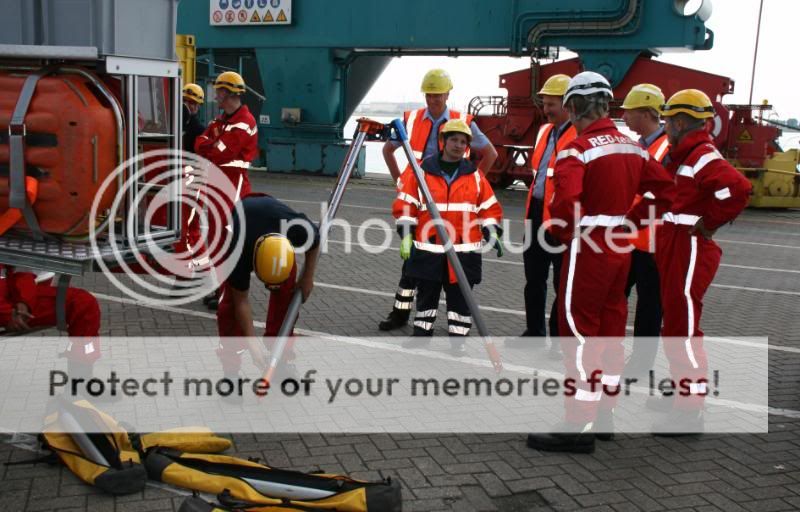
(315, 70)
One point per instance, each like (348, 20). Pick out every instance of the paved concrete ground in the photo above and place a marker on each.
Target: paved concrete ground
(755, 293)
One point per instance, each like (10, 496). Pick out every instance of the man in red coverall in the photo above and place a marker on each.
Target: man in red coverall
(270, 232)
(231, 143)
(710, 193)
(26, 304)
(596, 178)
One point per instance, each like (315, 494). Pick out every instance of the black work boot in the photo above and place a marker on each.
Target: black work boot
(603, 427)
(568, 438)
(680, 423)
(232, 398)
(554, 353)
(417, 341)
(660, 403)
(526, 340)
(83, 370)
(458, 347)
(396, 319)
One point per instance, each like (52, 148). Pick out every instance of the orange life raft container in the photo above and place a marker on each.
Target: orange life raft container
(71, 146)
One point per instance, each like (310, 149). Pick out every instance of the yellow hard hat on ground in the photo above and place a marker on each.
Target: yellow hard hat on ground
(692, 102)
(193, 92)
(556, 85)
(458, 126)
(436, 81)
(231, 81)
(644, 96)
(273, 259)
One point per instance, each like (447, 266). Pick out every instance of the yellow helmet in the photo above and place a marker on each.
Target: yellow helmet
(691, 102)
(436, 81)
(456, 125)
(273, 259)
(193, 92)
(230, 80)
(556, 85)
(644, 96)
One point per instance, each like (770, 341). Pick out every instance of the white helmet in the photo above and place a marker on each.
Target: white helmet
(588, 82)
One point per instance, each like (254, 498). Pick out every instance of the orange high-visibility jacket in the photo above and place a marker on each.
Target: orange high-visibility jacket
(468, 206)
(538, 151)
(418, 127)
(658, 151)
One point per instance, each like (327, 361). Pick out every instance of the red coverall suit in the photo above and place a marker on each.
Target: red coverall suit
(708, 187)
(231, 143)
(82, 311)
(262, 215)
(596, 178)
(230, 351)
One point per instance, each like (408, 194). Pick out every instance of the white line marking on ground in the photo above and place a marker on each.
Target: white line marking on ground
(347, 205)
(212, 316)
(726, 286)
(742, 242)
(471, 360)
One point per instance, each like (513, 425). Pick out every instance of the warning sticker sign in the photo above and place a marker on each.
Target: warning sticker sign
(745, 136)
(246, 12)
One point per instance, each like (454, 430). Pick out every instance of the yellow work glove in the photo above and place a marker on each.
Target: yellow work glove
(405, 247)
(498, 244)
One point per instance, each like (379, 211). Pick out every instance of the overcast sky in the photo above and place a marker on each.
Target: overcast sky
(734, 25)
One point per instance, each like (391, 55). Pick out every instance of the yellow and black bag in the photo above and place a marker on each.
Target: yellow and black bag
(94, 447)
(183, 439)
(99, 450)
(195, 504)
(247, 485)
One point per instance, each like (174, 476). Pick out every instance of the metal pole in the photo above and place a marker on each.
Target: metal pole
(333, 206)
(755, 52)
(76, 432)
(452, 257)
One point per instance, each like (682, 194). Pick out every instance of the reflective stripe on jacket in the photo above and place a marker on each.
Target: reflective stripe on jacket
(418, 127)
(467, 205)
(599, 174)
(230, 141)
(707, 185)
(536, 159)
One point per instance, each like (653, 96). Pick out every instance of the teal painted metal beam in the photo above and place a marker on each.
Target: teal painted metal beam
(466, 25)
(326, 60)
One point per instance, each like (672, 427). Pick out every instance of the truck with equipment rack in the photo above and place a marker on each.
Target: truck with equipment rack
(85, 88)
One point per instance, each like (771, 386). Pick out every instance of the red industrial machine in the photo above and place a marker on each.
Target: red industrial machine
(511, 123)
